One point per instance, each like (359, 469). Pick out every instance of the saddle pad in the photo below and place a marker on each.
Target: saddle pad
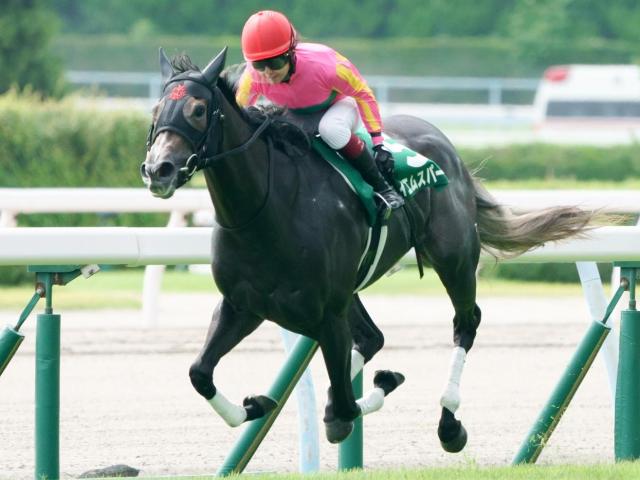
(412, 173)
(353, 178)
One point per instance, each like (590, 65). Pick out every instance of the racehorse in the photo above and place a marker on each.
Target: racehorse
(289, 235)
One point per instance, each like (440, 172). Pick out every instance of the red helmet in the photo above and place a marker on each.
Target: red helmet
(267, 34)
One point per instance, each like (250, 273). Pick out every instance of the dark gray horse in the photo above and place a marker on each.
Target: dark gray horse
(289, 236)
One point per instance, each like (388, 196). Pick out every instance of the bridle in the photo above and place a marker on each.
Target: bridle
(176, 92)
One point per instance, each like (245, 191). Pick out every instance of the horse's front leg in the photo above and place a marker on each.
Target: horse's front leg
(228, 327)
(335, 342)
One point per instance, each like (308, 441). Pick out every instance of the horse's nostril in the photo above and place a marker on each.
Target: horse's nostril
(143, 170)
(166, 169)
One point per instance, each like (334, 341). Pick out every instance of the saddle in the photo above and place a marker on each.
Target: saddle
(412, 173)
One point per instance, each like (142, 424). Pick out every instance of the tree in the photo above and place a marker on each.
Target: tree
(459, 18)
(543, 30)
(26, 28)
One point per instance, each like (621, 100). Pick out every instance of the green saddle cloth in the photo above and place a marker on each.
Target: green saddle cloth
(412, 173)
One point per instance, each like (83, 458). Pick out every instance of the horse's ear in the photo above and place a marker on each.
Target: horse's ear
(212, 71)
(165, 67)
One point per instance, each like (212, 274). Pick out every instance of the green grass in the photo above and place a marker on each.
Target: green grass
(122, 288)
(619, 471)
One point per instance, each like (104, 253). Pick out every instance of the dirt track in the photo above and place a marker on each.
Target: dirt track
(126, 396)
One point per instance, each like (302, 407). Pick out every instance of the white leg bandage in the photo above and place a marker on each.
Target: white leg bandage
(372, 401)
(232, 414)
(450, 398)
(357, 362)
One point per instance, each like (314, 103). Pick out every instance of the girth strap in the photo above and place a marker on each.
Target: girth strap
(373, 251)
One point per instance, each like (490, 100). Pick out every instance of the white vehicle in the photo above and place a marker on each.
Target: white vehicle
(593, 93)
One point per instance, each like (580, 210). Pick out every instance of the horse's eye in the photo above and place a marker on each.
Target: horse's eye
(199, 110)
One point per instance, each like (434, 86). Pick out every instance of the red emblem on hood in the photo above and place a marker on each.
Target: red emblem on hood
(178, 92)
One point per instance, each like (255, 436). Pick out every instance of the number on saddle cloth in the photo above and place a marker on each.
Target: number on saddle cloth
(412, 171)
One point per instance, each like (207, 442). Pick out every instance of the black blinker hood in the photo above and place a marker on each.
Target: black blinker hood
(176, 93)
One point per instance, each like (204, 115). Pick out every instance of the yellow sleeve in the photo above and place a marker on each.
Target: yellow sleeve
(245, 95)
(349, 82)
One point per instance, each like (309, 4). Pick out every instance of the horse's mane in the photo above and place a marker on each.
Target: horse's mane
(285, 135)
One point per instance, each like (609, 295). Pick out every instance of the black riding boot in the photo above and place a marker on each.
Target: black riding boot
(367, 167)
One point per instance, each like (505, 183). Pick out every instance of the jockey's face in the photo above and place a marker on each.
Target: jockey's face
(275, 76)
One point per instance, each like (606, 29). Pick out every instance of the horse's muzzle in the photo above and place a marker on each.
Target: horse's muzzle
(159, 178)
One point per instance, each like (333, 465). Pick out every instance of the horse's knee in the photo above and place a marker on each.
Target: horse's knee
(202, 382)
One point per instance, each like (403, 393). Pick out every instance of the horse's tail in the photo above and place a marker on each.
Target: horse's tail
(505, 234)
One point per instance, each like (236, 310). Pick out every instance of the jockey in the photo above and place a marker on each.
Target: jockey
(309, 77)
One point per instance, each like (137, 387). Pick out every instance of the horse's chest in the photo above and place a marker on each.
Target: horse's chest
(273, 289)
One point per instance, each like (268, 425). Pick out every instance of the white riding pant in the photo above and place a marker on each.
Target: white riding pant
(338, 123)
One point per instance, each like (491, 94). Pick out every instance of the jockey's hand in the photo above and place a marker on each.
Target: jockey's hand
(384, 160)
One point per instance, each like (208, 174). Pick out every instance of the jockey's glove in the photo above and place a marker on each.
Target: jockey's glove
(384, 160)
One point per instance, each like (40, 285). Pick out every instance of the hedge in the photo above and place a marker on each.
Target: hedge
(60, 144)
(544, 161)
(56, 144)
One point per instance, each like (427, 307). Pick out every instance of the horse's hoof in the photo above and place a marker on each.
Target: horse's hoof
(387, 380)
(337, 430)
(457, 443)
(258, 406)
(453, 436)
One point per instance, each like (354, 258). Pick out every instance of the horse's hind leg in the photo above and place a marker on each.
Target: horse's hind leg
(228, 327)
(453, 248)
(368, 340)
(367, 337)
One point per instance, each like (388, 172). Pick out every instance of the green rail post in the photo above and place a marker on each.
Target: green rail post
(627, 411)
(48, 390)
(350, 453)
(47, 395)
(567, 386)
(256, 430)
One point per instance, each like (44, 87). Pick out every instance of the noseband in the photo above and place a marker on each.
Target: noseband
(176, 93)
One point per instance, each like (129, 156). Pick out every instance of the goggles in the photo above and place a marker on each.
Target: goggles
(274, 63)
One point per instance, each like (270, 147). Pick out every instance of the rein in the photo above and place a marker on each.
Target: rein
(197, 161)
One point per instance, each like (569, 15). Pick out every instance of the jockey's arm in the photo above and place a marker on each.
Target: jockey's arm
(246, 94)
(349, 82)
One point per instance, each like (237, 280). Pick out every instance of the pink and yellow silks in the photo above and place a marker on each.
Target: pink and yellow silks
(321, 78)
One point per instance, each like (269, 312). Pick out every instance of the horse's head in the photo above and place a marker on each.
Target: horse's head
(185, 121)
